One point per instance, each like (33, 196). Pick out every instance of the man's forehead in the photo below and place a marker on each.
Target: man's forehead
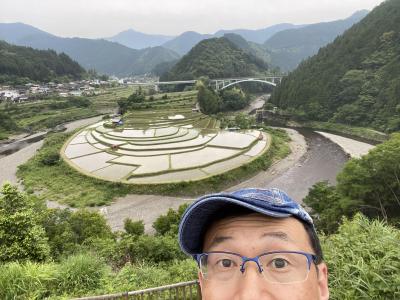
(254, 224)
(252, 219)
(254, 229)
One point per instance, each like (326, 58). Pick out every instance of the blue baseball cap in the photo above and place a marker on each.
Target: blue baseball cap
(270, 202)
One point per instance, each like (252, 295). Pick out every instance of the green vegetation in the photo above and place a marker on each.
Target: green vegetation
(360, 132)
(52, 111)
(216, 58)
(59, 182)
(363, 256)
(21, 237)
(21, 65)
(288, 48)
(7, 125)
(250, 48)
(363, 259)
(353, 81)
(226, 100)
(369, 185)
(44, 114)
(141, 99)
(89, 258)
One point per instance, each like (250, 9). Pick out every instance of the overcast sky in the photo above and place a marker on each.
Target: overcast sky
(103, 18)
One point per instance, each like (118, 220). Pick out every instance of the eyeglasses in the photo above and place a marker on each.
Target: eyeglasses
(276, 267)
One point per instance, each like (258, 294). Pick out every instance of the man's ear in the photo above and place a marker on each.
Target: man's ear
(323, 281)
(200, 280)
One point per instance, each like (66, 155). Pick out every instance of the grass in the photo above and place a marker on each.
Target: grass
(48, 113)
(4, 134)
(57, 181)
(367, 134)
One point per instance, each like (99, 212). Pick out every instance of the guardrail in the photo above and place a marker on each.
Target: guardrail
(179, 291)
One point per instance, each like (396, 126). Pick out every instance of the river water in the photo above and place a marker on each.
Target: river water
(322, 161)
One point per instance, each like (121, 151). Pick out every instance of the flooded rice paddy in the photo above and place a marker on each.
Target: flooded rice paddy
(161, 148)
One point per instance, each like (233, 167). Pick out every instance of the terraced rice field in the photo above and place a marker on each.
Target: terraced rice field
(161, 146)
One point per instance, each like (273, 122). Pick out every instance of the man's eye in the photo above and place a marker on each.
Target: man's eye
(226, 263)
(279, 263)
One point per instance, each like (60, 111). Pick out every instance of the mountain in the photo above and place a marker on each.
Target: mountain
(249, 47)
(260, 35)
(18, 63)
(216, 58)
(104, 56)
(138, 40)
(289, 47)
(355, 80)
(186, 41)
(15, 33)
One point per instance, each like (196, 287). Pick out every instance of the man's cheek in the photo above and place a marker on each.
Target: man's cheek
(213, 291)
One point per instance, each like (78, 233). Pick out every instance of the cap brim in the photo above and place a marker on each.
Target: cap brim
(198, 216)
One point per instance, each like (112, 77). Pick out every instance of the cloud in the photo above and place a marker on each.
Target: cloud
(101, 18)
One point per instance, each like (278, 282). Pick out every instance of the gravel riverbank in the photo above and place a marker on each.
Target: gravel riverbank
(352, 147)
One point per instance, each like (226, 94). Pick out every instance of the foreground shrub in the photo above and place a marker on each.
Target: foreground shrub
(81, 274)
(67, 231)
(169, 223)
(134, 227)
(152, 249)
(142, 276)
(21, 235)
(363, 260)
(139, 276)
(27, 281)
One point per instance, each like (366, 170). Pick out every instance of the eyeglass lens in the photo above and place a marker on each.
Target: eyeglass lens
(276, 267)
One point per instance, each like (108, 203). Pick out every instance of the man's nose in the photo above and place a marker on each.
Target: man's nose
(253, 286)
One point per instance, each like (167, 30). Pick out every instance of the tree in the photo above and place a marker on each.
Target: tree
(133, 101)
(233, 99)
(370, 185)
(327, 206)
(21, 235)
(244, 121)
(169, 223)
(208, 100)
(88, 225)
(374, 181)
(134, 228)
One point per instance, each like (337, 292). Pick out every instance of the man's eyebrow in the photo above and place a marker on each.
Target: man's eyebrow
(278, 235)
(219, 239)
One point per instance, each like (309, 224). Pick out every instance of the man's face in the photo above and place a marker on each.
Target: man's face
(250, 236)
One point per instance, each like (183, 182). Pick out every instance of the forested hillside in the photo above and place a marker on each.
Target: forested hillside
(216, 58)
(288, 48)
(18, 62)
(355, 80)
(249, 47)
